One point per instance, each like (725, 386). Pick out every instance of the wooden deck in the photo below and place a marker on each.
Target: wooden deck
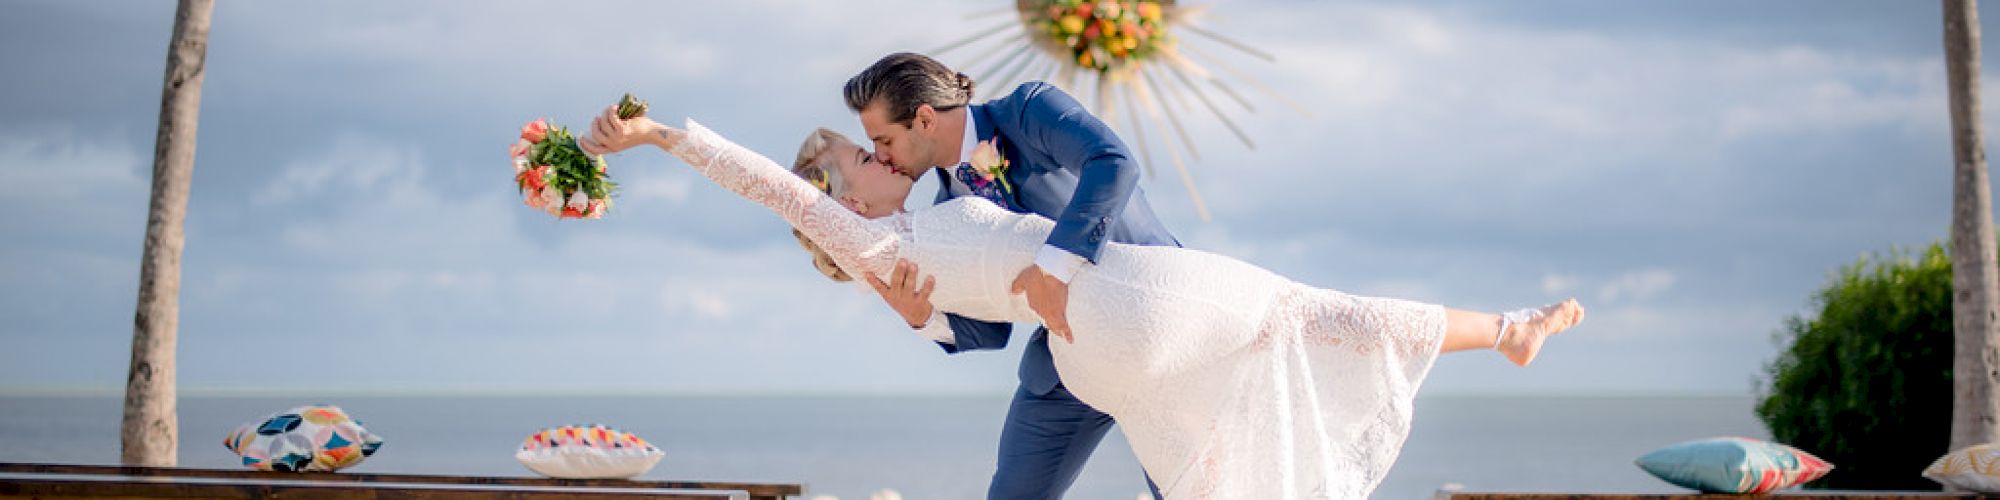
(25, 480)
(1789, 495)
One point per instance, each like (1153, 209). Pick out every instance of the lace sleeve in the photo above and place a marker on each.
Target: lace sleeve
(855, 243)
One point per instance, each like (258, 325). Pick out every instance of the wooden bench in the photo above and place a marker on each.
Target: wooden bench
(29, 480)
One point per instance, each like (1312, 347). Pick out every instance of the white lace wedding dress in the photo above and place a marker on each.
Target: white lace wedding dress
(1228, 380)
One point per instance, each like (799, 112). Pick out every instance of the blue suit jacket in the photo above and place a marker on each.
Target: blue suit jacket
(1067, 166)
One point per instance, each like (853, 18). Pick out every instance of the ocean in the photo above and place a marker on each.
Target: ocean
(922, 447)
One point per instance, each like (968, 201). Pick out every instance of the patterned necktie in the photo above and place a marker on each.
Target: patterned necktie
(980, 185)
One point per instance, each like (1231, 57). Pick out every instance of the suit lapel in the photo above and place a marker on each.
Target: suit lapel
(982, 122)
(944, 185)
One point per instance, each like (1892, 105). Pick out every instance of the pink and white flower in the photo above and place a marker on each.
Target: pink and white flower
(519, 150)
(986, 159)
(534, 179)
(989, 164)
(552, 200)
(535, 131)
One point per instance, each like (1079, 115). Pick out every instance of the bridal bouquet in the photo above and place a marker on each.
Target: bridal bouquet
(556, 176)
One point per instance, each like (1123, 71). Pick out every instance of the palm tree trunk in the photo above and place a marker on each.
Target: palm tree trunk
(1975, 369)
(151, 430)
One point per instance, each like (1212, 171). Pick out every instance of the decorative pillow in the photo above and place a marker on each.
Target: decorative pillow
(307, 438)
(1975, 468)
(587, 452)
(1733, 465)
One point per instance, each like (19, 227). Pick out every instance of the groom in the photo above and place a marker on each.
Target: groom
(1061, 163)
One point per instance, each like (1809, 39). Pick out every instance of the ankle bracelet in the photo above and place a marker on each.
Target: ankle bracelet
(1511, 318)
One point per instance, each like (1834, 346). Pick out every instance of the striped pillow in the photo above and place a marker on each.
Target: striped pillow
(587, 452)
(1975, 468)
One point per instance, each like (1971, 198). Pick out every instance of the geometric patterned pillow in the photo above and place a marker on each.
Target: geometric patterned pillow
(1734, 465)
(307, 438)
(1975, 468)
(587, 452)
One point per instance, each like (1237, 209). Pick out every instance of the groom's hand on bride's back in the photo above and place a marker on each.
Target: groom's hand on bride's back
(903, 294)
(1049, 297)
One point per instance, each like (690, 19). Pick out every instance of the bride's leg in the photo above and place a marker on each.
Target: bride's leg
(1525, 332)
(1468, 330)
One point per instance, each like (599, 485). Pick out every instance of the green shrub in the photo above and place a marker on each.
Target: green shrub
(1866, 380)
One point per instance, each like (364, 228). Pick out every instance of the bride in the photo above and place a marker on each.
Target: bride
(1228, 380)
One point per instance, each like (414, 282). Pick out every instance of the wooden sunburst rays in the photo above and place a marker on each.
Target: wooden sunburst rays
(1158, 94)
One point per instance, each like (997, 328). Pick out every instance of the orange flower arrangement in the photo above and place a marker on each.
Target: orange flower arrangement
(1102, 34)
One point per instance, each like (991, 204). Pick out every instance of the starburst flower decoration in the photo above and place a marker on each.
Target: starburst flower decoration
(1146, 80)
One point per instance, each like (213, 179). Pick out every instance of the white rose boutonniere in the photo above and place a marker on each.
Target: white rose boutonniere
(986, 160)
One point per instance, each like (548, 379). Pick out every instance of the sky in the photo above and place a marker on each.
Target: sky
(1691, 171)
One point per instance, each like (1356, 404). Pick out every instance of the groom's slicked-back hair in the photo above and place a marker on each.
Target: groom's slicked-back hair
(904, 80)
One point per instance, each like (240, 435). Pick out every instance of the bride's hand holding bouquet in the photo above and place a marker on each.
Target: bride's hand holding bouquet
(624, 126)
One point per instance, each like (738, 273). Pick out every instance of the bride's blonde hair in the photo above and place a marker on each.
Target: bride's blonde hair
(810, 167)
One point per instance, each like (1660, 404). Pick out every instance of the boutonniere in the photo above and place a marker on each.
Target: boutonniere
(987, 161)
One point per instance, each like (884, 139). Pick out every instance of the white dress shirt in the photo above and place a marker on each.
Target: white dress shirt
(1059, 263)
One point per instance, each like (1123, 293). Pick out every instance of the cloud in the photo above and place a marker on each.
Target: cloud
(1629, 286)
(58, 173)
(688, 61)
(710, 305)
(1691, 173)
(1558, 283)
(1636, 285)
(1635, 89)
(350, 167)
(672, 189)
(1621, 148)
(70, 193)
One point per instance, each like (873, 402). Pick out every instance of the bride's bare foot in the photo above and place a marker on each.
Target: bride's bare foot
(1523, 339)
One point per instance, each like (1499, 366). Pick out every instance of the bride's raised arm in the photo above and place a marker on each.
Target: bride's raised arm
(857, 244)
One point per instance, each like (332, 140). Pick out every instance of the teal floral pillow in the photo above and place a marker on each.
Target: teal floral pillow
(1734, 465)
